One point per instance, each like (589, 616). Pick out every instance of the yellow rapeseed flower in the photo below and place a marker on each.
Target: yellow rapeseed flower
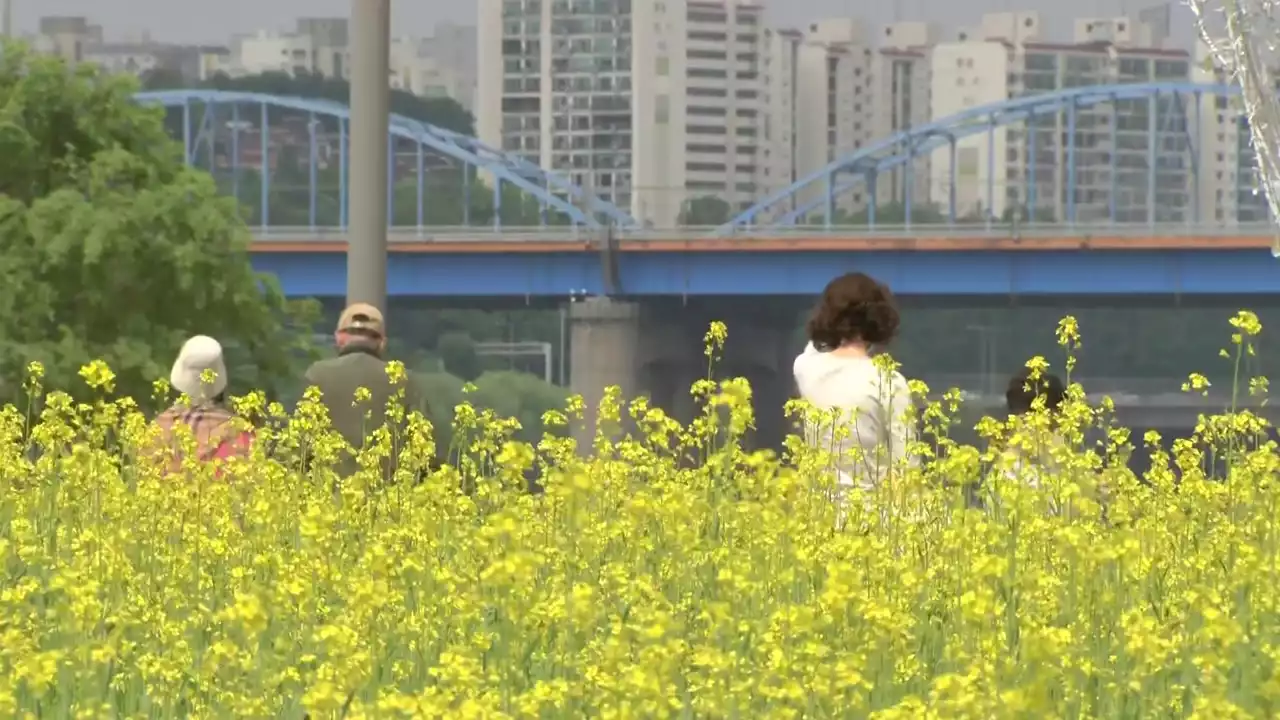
(665, 570)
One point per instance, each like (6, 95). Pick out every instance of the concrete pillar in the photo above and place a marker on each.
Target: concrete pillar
(367, 184)
(604, 350)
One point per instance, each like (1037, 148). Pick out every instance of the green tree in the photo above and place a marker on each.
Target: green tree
(704, 211)
(112, 248)
(442, 112)
(1018, 213)
(509, 394)
(889, 214)
(521, 396)
(447, 203)
(458, 353)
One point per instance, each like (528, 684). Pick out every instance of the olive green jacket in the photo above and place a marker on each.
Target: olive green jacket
(338, 380)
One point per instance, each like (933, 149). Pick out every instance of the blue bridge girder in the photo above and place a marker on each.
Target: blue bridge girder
(785, 208)
(552, 191)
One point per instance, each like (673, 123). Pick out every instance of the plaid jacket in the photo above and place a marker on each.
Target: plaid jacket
(211, 428)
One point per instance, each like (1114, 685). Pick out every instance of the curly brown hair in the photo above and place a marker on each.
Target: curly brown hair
(853, 307)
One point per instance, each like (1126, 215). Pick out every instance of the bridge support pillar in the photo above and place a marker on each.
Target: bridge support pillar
(657, 351)
(758, 349)
(604, 341)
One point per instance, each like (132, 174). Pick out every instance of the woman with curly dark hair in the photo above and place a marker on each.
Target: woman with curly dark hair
(870, 428)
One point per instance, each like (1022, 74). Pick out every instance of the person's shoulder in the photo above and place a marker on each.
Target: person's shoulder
(326, 367)
(321, 365)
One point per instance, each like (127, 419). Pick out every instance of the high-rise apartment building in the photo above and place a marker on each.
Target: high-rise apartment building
(432, 67)
(317, 45)
(833, 109)
(1226, 180)
(849, 93)
(68, 36)
(651, 104)
(901, 99)
(1026, 167)
(781, 99)
(451, 51)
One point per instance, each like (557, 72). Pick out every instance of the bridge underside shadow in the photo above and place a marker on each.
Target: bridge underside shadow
(654, 347)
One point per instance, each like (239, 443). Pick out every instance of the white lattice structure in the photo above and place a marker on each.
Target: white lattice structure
(1241, 36)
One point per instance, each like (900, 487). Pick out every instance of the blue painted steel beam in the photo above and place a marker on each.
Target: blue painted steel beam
(1072, 161)
(528, 177)
(883, 154)
(675, 274)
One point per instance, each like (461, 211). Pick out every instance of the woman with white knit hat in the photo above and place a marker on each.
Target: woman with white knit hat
(200, 374)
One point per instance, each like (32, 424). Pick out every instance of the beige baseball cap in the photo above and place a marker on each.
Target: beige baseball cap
(362, 318)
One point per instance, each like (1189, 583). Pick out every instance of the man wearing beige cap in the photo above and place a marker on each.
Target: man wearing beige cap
(361, 339)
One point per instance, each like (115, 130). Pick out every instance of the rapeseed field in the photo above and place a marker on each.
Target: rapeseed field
(664, 572)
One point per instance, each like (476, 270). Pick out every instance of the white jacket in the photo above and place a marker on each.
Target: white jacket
(872, 404)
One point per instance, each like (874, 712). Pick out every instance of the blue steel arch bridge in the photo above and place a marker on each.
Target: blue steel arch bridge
(1092, 155)
(286, 159)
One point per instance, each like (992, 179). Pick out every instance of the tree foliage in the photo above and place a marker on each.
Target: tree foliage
(111, 248)
(458, 353)
(518, 395)
(442, 112)
(704, 211)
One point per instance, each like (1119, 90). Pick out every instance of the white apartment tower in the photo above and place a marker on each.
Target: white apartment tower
(650, 104)
(1227, 183)
(1024, 167)
(965, 75)
(781, 99)
(901, 91)
(833, 108)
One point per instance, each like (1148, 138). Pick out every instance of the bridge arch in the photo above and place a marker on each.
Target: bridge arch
(552, 191)
(1173, 109)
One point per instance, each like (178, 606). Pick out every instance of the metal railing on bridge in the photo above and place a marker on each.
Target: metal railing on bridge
(1030, 232)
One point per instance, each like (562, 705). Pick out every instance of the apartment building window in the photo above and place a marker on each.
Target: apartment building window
(1170, 69)
(1041, 61)
(708, 73)
(1134, 67)
(706, 111)
(710, 18)
(707, 55)
(705, 36)
(704, 167)
(663, 66)
(708, 92)
(662, 110)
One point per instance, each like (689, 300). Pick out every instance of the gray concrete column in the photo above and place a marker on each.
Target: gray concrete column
(367, 181)
(759, 350)
(604, 350)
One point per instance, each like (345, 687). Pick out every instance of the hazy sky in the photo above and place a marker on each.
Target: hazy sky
(215, 20)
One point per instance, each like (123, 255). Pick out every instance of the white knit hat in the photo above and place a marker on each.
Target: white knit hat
(198, 354)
